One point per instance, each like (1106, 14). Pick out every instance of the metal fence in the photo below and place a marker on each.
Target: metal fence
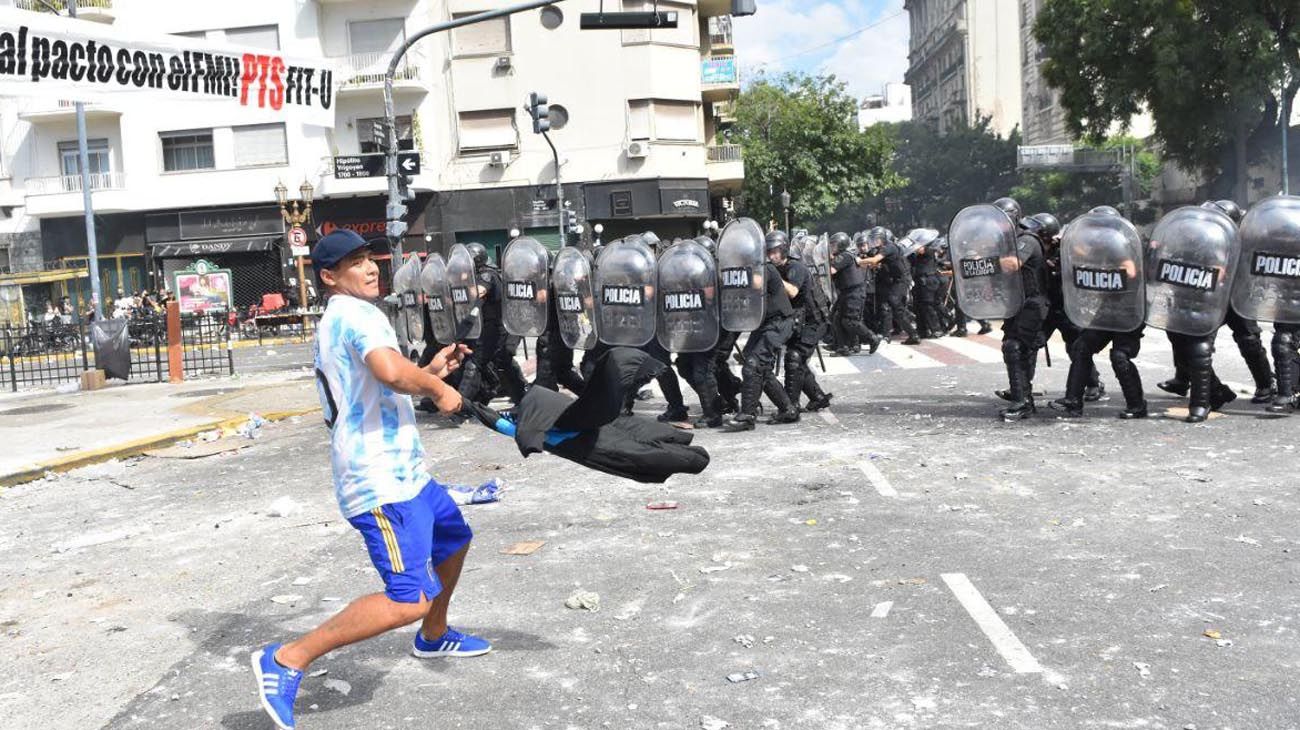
(50, 354)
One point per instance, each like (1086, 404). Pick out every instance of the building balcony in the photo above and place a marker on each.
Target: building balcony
(719, 78)
(364, 73)
(61, 194)
(99, 11)
(64, 112)
(725, 165)
(725, 111)
(720, 34)
(713, 8)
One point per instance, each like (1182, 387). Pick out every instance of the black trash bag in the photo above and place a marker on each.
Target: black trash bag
(112, 343)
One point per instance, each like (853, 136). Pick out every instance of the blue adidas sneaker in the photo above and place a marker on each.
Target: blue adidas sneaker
(277, 686)
(452, 643)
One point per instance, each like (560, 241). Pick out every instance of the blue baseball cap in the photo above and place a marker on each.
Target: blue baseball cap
(338, 245)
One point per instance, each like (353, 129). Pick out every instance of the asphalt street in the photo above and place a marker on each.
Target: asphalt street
(904, 561)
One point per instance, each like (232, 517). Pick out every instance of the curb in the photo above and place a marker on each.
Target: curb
(134, 448)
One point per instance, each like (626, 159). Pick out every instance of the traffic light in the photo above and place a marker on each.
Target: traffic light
(396, 228)
(570, 220)
(539, 109)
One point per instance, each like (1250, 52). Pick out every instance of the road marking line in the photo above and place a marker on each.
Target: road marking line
(878, 480)
(975, 350)
(882, 609)
(829, 417)
(908, 357)
(991, 624)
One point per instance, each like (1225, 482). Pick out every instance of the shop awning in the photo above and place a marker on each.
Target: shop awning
(43, 277)
(212, 247)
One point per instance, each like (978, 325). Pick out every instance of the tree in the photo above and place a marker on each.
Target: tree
(940, 174)
(800, 134)
(1217, 76)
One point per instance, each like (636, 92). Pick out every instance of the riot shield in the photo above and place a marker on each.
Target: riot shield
(1102, 273)
(410, 316)
(1268, 285)
(574, 299)
(526, 266)
(462, 279)
(437, 298)
(820, 265)
(741, 260)
(625, 294)
(917, 239)
(1190, 267)
(986, 263)
(688, 299)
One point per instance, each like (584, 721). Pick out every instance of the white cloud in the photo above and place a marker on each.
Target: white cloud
(770, 39)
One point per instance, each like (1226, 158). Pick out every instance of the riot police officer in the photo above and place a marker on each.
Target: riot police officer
(811, 318)
(894, 281)
(1048, 230)
(492, 361)
(1021, 333)
(761, 350)
(929, 286)
(851, 270)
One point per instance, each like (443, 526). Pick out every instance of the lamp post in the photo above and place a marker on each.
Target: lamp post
(785, 205)
(297, 214)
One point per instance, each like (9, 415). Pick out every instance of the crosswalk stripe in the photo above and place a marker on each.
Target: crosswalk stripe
(973, 349)
(944, 353)
(908, 358)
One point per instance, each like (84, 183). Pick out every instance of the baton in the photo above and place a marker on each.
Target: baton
(525, 341)
(1047, 351)
(820, 359)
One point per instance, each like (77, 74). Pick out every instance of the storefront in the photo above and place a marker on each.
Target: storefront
(249, 242)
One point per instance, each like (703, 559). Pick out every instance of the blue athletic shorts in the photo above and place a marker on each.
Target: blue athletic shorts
(407, 540)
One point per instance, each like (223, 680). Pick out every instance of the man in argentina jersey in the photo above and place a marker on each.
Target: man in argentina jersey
(414, 532)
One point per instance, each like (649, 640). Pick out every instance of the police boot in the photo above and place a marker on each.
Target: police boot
(740, 422)
(711, 417)
(1135, 403)
(1094, 393)
(786, 410)
(1201, 387)
(985, 328)
(1282, 404)
(1256, 357)
(819, 401)
(1075, 392)
(1176, 385)
(674, 415)
(1022, 403)
(960, 331)
(1220, 395)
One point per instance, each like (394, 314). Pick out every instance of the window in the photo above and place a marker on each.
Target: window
(256, 36)
(4, 260)
(663, 120)
(97, 157)
(638, 119)
(492, 129)
(366, 134)
(189, 150)
(490, 38)
(376, 36)
(260, 144)
(682, 35)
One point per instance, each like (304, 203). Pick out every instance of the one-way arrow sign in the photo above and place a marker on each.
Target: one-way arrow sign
(352, 167)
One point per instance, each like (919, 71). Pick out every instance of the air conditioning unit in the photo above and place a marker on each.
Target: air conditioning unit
(498, 159)
(637, 150)
(504, 63)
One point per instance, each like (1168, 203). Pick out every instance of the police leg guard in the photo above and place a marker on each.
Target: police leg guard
(1076, 382)
(1130, 382)
(1022, 402)
(1252, 351)
(786, 412)
(1200, 374)
(1284, 359)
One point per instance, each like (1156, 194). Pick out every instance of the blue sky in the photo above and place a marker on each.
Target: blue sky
(785, 35)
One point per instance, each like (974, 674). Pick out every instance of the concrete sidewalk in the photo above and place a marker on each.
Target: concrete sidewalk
(59, 431)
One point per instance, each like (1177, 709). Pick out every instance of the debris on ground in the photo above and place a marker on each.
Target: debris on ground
(252, 428)
(286, 599)
(1144, 669)
(745, 640)
(739, 677)
(284, 507)
(708, 722)
(485, 493)
(338, 685)
(527, 547)
(583, 600)
(662, 505)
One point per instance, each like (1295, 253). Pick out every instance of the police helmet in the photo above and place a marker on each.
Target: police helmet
(840, 242)
(1051, 226)
(708, 243)
(1104, 210)
(777, 240)
(478, 252)
(1010, 207)
(1229, 208)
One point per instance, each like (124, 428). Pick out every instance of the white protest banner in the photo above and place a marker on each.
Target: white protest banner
(48, 56)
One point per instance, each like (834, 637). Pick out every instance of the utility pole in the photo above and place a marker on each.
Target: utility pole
(83, 164)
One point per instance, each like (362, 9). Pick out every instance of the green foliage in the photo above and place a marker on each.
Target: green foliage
(939, 174)
(1210, 72)
(800, 133)
(1071, 194)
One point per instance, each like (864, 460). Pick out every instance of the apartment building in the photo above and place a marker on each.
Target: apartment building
(964, 62)
(640, 120)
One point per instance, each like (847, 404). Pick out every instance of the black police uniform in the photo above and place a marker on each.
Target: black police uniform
(894, 279)
(762, 348)
(492, 361)
(1286, 359)
(554, 358)
(850, 281)
(929, 286)
(810, 322)
(1058, 321)
(1021, 333)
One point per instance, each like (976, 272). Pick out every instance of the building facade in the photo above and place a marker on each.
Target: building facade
(1044, 119)
(892, 106)
(964, 62)
(640, 120)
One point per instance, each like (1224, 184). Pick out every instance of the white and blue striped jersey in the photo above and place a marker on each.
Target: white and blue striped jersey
(375, 448)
